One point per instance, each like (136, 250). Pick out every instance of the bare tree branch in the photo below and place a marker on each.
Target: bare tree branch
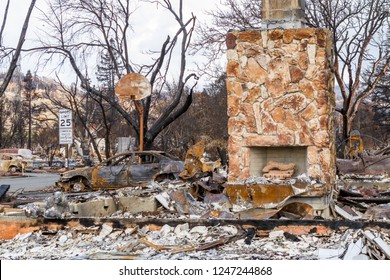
(356, 25)
(4, 23)
(78, 29)
(230, 14)
(18, 50)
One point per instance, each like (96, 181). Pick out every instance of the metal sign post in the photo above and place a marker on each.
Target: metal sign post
(140, 109)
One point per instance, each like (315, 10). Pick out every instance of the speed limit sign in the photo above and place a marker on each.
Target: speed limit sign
(65, 120)
(65, 126)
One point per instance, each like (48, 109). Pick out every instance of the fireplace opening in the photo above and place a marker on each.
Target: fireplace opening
(259, 157)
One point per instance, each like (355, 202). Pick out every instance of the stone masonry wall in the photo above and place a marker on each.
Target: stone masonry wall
(282, 9)
(280, 93)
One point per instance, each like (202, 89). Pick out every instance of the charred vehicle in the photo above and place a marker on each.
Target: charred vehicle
(14, 163)
(122, 170)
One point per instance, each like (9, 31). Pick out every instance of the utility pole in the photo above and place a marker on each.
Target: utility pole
(29, 87)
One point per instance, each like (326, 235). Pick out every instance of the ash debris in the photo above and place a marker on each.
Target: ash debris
(199, 242)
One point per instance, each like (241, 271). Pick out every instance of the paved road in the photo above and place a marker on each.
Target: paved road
(30, 182)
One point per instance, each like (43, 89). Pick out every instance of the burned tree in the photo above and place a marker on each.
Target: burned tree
(9, 53)
(208, 118)
(107, 80)
(360, 61)
(79, 29)
(381, 101)
(11, 113)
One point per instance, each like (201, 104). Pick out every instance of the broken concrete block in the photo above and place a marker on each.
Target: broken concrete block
(202, 230)
(379, 242)
(108, 206)
(24, 236)
(182, 229)
(166, 229)
(276, 234)
(354, 249)
(63, 239)
(369, 235)
(383, 246)
(231, 230)
(106, 230)
(364, 250)
(163, 198)
(114, 235)
(345, 214)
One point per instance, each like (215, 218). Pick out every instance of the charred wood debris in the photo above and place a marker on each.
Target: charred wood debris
(197, 218)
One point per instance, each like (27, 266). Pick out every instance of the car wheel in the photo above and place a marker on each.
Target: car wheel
(78, 187)
(13, 169)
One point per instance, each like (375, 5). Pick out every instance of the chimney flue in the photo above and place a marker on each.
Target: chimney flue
(287, 14)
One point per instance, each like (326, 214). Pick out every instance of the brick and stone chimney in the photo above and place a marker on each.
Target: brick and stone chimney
(283, 14)
(280, 96)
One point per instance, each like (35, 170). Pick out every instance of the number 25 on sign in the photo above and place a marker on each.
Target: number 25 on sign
(65, 119)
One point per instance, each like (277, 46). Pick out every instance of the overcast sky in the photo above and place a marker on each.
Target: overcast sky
(151, 26)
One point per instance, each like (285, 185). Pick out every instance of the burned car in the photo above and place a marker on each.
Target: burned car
(14, 163)
(122, 170)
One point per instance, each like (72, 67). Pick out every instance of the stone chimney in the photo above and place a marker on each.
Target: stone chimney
(284, 14)
(280, 96)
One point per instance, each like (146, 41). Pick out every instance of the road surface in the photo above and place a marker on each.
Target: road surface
(30, 182)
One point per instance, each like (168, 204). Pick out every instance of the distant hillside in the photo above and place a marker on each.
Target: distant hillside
(16, 83)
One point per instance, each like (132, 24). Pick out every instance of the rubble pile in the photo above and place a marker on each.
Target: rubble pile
(204, 198)
(366, 199)
(199, 242)
(211, 197)
(207, 196)
(366, 163)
